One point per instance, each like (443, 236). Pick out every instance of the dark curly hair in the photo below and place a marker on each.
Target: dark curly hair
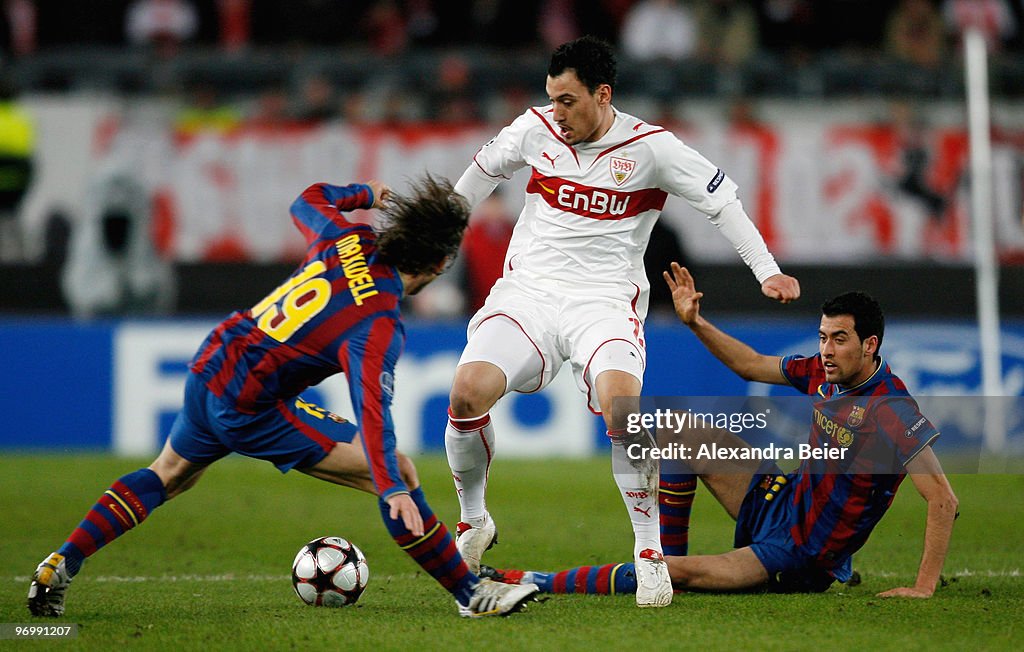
(591, 58)
(420, 230)
(868, 318)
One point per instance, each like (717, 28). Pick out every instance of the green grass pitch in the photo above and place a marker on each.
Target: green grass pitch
(210, 570)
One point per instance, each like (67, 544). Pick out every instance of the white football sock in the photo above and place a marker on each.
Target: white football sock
(637, 480)
(469, 444)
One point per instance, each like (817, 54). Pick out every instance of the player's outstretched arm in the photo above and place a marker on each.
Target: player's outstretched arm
(370, 355)
(743, 360)
(734, 223)
(926, 473)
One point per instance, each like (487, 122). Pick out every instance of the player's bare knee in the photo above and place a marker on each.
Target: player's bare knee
(462, 404)
(618, 395)
(474, 393)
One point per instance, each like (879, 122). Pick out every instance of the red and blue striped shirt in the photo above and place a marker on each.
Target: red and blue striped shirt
(839, 502)
(338, 312)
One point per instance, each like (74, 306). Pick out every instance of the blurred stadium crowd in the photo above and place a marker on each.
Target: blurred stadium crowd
(458, 60)
(795, 28)
(265, 63)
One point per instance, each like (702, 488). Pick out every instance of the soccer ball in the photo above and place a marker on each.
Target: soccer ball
(329, 572)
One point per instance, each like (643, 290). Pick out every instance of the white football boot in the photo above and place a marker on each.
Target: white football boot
(496, 599)
(49, 586)
(653, 584)
(472, 542)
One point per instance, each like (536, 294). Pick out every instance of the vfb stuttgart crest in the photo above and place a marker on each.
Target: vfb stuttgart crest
(622, 169)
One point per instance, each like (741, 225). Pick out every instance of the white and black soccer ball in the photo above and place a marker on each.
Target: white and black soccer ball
(329, 572)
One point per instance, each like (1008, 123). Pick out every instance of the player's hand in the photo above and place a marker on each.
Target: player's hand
(381, 193)
(403, 507)
(685, 297)
(906, 592)
(782, 288)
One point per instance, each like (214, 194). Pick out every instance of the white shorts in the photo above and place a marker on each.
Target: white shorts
(529, 330)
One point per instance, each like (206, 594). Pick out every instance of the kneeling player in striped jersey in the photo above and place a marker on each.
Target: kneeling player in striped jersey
(797, 532)
(338, 312)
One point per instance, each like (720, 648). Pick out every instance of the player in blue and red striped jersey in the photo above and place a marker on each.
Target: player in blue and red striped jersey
(798, 531)
(338, 312)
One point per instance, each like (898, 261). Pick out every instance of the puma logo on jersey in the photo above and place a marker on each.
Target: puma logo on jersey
(645, 512)
(545, 155)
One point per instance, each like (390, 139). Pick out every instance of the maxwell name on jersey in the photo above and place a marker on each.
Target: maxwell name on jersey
(360, 282)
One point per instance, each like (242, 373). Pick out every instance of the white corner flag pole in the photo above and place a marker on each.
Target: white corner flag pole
(986, 273)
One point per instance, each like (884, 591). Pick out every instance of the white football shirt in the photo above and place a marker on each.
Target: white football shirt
(590, 208)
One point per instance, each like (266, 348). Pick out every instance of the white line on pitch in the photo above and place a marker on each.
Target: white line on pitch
(962, 572)
(129, 579)
(230, 577)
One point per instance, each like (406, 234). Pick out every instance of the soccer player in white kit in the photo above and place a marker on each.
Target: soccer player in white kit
(574, 286)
